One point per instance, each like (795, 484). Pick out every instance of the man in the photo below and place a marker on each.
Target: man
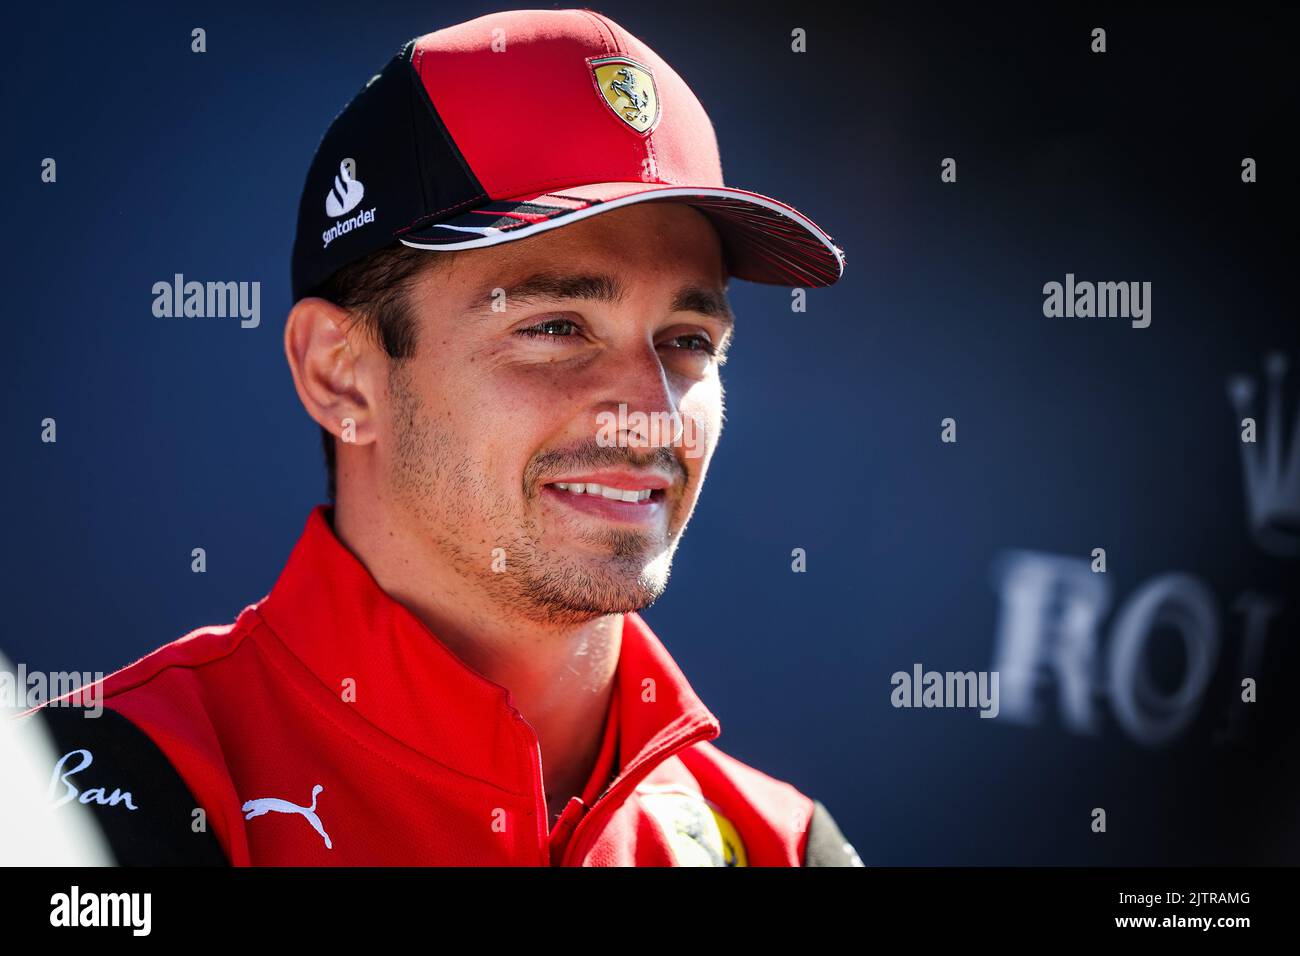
(510, 275)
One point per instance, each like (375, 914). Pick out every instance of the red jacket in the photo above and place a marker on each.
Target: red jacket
(328, 726)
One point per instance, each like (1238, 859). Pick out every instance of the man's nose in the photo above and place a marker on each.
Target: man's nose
(643, 400)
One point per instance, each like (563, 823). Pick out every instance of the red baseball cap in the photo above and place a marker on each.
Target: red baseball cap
(514, 123)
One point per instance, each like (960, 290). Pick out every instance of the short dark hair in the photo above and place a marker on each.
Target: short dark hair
(375, 290)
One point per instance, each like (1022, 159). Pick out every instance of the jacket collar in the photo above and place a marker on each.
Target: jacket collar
(333, 616)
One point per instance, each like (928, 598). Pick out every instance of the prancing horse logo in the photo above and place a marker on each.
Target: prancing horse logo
(627, 86)
(628, 89)
(255, 808)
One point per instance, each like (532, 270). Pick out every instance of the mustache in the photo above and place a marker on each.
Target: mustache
(594, 456)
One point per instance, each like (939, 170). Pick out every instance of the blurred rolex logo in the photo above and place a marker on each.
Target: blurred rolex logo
(1270, 464)
(1052, 639)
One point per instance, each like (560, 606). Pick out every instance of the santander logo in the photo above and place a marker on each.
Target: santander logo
(347, 191)
(341, 200)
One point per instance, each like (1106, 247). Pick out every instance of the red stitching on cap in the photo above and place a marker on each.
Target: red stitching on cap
(466, 203)
(602, 30)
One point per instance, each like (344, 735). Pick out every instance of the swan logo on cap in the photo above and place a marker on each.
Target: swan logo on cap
(347, 191)
(628, 88)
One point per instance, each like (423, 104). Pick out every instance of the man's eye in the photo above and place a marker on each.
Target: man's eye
(555, 327)
(695, 343)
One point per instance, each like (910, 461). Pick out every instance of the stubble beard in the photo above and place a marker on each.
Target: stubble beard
(441, 490)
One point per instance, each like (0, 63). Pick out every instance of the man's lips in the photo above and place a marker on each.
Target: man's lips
(616, 480)
(614, 495)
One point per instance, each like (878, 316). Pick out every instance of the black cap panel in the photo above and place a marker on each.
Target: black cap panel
(385, 164)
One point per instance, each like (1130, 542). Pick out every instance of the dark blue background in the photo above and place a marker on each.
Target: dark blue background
(1073, 433)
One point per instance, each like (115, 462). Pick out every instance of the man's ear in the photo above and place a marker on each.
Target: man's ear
(334, 369)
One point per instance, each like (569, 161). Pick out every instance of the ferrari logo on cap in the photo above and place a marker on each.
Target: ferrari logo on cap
(628, 89)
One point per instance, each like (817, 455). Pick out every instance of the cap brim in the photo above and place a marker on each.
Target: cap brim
(764, 239)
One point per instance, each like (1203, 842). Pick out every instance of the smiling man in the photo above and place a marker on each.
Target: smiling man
(510, 321)
(473, 486)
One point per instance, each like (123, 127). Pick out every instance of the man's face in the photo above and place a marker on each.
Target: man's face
(578, 359)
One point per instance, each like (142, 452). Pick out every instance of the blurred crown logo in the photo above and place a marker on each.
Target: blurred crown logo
(1271, 466)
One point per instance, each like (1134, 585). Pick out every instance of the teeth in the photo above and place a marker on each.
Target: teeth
(614, 494)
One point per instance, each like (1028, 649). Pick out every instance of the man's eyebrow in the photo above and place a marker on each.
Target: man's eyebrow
(600, 287)
(547, 286)
(706, 301)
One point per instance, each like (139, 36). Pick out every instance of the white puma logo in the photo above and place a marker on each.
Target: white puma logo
(255, 808)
